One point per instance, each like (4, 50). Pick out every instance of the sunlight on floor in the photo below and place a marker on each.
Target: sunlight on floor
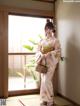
(34, 100)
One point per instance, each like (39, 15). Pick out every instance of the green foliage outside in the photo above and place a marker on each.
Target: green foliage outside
(31, 63)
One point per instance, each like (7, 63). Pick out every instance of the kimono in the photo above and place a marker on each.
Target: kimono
(52, 58)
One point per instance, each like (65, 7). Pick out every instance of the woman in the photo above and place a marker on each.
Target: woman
(49, 53)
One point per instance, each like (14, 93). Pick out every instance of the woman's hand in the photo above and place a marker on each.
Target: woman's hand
(48, 54)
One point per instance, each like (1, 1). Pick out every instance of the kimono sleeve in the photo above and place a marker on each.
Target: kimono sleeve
(38, 55)
(56, 53)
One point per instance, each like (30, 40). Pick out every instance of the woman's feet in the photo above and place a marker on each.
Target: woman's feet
(43, 103)
(50, 104)
(47, 104)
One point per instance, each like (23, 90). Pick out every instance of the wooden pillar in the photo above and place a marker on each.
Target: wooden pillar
(3, 54)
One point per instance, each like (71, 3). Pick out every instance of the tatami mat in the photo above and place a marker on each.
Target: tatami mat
(33, 100)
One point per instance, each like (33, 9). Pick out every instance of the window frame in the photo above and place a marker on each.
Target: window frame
(24, 12)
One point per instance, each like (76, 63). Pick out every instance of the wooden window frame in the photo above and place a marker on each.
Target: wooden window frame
(25, 12)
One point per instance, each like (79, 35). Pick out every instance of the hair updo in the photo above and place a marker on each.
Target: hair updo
(49, 25)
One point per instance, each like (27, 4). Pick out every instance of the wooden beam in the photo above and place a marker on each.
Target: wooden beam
(28, 12)
(48, 1)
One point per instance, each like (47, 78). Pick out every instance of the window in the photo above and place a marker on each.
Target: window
(21, 30)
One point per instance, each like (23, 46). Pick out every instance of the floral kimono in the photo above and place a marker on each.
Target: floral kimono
(52, 58)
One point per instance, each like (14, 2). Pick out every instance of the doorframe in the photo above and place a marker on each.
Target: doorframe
(25, 12)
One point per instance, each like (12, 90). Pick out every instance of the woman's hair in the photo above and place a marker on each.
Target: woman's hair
(49, 25)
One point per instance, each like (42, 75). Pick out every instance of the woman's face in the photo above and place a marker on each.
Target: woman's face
(48, 32)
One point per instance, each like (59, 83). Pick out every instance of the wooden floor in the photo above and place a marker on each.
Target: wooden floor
(34, 100)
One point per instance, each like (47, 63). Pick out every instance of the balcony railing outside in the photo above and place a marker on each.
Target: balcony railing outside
(21, 76)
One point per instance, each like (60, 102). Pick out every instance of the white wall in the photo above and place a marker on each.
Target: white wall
(68, 30)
